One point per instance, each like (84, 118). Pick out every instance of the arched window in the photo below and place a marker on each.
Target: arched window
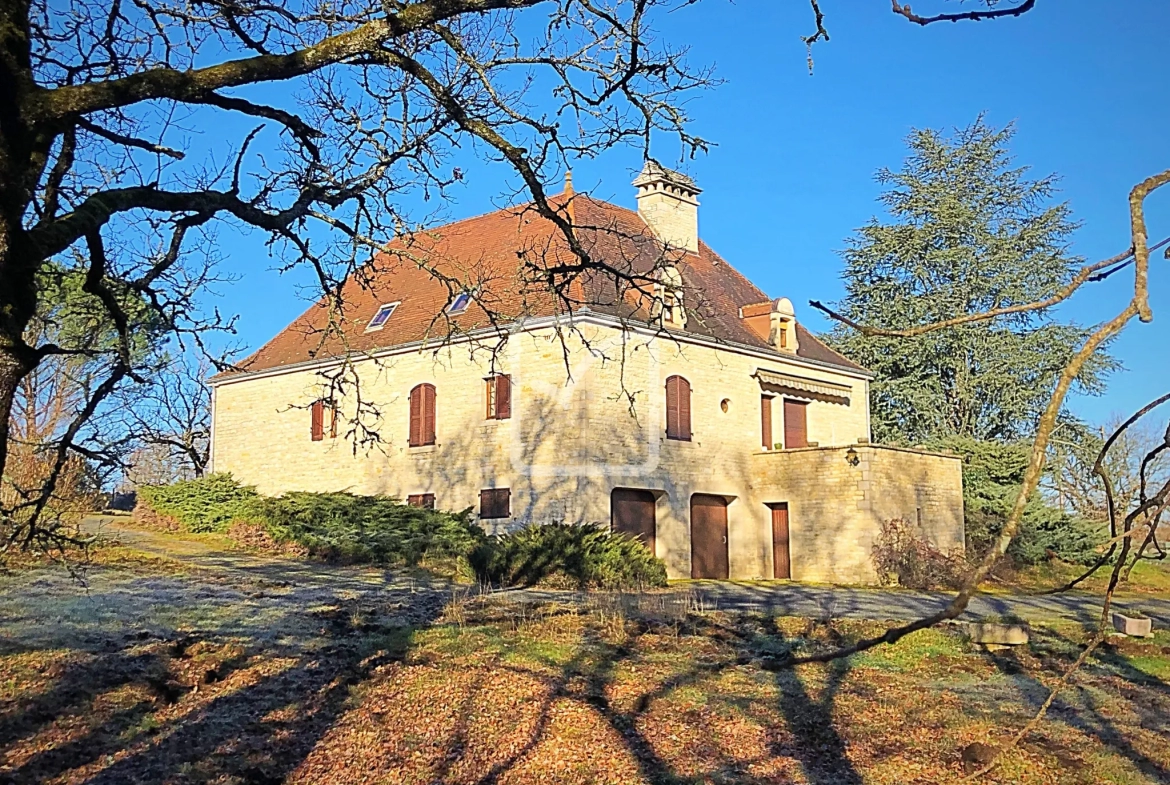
(422, 415)
(678, 409)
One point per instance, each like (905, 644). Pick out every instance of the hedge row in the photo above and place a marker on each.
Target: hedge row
(350, 528)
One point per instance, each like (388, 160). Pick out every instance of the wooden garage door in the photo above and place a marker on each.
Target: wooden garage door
(708, 537)
(781, 560)
(631, 512)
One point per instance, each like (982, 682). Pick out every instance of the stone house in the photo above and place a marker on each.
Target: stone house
(666, 396)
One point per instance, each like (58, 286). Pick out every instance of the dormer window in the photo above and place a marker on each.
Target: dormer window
(381, 316)
(668, 299)
(672, 310)
(459, 304)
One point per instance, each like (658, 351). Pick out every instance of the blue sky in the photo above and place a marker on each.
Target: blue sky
(792, 173)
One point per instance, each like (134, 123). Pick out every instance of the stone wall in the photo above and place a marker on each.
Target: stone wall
(836, 509)
(571, 439)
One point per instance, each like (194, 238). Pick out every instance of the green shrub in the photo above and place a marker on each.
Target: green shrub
(206, 504)
(333, 526)
(351, 528)
(585, 556)
(992, 476)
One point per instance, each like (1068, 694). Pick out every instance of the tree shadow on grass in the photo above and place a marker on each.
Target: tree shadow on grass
(592, 672)
(256, 733)
(817, 745)
(263, 716)
(1087, 713)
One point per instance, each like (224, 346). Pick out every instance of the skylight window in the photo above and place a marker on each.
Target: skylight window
(381, 316)
(459, 304)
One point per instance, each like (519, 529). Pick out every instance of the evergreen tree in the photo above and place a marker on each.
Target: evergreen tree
(968, 231)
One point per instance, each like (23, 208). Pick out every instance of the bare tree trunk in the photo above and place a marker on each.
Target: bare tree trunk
(12, 370)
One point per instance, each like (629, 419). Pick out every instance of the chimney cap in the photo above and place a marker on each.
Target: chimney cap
(653, 172)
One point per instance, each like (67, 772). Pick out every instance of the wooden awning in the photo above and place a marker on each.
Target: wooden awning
(801, 387)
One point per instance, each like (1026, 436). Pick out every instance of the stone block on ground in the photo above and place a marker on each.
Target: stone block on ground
(1134, 626)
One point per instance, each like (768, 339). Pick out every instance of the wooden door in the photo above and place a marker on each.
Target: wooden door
(795, 424)
(708, 537)
(781, 558)
(632, 512)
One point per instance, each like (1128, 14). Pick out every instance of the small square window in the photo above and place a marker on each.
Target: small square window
(495, 503)
(424, 500)
(381, 316)
(459, 304)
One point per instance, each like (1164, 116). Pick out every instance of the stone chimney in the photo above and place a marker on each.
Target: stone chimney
(668, 203)
(774, 321)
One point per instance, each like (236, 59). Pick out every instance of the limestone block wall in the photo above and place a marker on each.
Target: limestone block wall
(575, 433)
(836, 509)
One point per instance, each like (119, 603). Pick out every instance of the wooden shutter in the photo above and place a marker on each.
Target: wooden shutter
(424, 500)
(332, 420)
(672, 407)
(428, 424)
(795, 424)
(317, 418)
(678, 408)
(416, 416)
(495, 503)
(503, 397)
(766, 421)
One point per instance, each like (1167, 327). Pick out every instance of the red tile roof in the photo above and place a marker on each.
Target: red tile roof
(501, 254)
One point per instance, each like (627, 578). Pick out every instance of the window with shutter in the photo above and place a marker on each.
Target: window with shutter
(795, 424)
(499, 397)
(422, 415)
(766, 421)
(317, 421)
(678, 409)
(495, 503)
(424, 500)
(503, 397)
(428, 414)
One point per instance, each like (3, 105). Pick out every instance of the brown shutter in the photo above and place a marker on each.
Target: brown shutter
(495, 503)
(428, 431)
(795, 424)
(672, 407)
(332, 420)
(503, 397)
(766, 421)
(317, 417)
(416, 416)
(423, 500)
(684, 409)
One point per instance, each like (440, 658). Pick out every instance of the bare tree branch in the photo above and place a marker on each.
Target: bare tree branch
(962, 16)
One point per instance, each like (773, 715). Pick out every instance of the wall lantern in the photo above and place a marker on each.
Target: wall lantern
(851, 457)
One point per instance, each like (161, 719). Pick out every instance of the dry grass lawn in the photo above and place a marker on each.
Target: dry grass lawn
(343, 690)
